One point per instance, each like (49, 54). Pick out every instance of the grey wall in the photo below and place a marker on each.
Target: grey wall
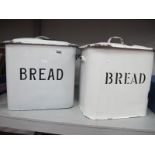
(81, 31)
(18, 28)
(87, 31)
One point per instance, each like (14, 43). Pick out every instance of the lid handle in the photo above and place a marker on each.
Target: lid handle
(43, 37)
(116, 38)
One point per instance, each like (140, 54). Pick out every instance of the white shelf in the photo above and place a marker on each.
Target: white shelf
(71, 121)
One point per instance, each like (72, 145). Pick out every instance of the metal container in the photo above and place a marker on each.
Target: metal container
(40, 73)
(115, 79)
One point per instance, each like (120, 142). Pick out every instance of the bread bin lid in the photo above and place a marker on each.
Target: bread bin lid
(121, 45)
(40, 40)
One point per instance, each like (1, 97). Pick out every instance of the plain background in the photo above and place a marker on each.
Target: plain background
(81, 31)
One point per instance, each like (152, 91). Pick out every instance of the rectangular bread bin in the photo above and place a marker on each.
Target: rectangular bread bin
(40, 73)
(115, 79)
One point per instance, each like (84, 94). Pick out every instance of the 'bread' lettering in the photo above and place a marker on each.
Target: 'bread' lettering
(124, 78)
(41, 74)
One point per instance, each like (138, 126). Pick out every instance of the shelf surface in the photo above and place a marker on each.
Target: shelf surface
(71, 121)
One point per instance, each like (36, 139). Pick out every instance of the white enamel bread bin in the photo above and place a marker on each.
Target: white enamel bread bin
(115, 79)
(40, 73)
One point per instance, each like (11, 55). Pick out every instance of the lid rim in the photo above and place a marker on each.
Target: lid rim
(70, 45)
(120, 45)
(109, 47)
(38, 41)
(116, 46)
